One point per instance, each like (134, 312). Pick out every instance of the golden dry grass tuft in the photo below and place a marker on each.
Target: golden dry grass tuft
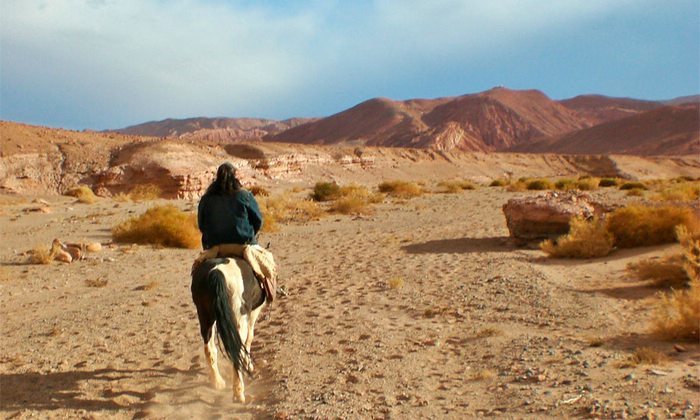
(608, 182)
(635, 192)
(40, 254)
(483, 375)
(647, 356)
(395, 283)
(518, 186)
(539, 184)
(161, 225)
(97, 282)
(355, 199)
(666, 272)
(633, 185)
(282, 209)
(677, 314)
(587, 184)
(500, 182)
(634, 226)
(83, 193)
(145, 192)
(400, 189)
(682, 191)
(325, 191)
(455, 186)
(259, 191)
(586, 239)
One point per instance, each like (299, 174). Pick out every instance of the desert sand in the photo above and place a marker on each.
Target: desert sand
(423, 309)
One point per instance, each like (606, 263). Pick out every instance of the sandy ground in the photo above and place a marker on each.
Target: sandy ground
(420, 310)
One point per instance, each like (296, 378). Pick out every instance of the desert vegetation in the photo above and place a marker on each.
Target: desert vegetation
(161, 225)
(83, 194)
(400, 189)
(586, 239)
(455, 186)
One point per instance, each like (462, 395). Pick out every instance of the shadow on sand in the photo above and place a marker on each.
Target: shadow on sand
(461, 245)
(45, 392)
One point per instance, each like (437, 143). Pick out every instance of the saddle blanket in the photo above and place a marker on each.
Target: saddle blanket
(260, 260)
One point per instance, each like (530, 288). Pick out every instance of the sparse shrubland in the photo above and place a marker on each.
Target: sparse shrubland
(455, 186)
(539, 184)
(584, 240)
(500, 182)
(633, 185)
(400, 189)
(259, 191)
(325, 191)
(145, 192)
(354, 199)
(83, 193)
(608, 182)
(161, 225)
(284, 209)
(679, 191)
(634, 226)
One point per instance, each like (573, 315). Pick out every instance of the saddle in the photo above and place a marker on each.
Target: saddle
(260, 260)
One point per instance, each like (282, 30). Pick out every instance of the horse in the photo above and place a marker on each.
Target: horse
(229, 297)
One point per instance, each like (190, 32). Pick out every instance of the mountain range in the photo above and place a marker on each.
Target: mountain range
(496, 120)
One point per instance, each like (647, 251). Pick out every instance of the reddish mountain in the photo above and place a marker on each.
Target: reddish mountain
(669, 130)
(597, 109)
(213, 128)
(489, 121)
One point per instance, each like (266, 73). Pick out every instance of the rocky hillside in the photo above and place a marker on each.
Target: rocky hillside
(214, 129)
(668, 130)
(496, 120)
(38, 160)
(489, 121)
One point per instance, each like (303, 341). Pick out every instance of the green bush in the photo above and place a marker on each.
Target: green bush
(325, 191)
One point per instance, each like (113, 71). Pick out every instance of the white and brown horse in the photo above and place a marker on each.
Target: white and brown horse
(229, 296)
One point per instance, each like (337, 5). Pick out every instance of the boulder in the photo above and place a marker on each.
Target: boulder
(547, 216)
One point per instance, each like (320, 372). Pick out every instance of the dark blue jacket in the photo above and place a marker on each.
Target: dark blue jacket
(229, 219)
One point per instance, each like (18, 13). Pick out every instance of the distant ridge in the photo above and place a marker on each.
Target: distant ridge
(496, 120)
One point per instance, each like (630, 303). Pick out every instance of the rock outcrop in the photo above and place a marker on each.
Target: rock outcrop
(547, 215)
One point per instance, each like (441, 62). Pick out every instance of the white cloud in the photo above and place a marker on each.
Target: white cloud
(143, 59)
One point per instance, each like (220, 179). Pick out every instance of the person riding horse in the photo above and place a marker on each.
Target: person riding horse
(228, 214)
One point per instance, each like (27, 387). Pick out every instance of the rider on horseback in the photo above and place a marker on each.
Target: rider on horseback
(228, 214)
(230, 219)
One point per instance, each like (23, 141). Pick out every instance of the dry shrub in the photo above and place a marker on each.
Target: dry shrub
(677, 314)
(325, 191)
(40, 254)
(400, 189)
(98, 282)
(608, 182)
(667, 272)
(259, 191)
(121, 197)
(635, 192)
(395, 282)
(685, 191)
(83, 193)
(145, 192)
(633, 185)
(500, 182)
(518, 186)
(643, 226)
(455, 186)
(565, 184)
(586, 239)
(483, 375)
(539, 184)
(350, 205)
(161, 225)
(647, 356)
(284, 209)
(587, 184)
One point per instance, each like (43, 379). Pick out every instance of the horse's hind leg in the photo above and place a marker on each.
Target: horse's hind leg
(207, 327)
(238, 386)
(211, 354)
(252, 317)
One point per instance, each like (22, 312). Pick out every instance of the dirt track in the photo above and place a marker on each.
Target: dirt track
(423, 309)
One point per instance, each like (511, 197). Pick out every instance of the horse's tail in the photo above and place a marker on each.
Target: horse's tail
(226, 322)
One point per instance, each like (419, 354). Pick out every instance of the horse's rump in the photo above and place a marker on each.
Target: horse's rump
(253, 295)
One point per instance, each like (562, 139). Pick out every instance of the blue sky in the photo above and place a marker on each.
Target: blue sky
(111, 63)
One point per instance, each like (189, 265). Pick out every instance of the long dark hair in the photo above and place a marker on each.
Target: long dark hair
(225, 182)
